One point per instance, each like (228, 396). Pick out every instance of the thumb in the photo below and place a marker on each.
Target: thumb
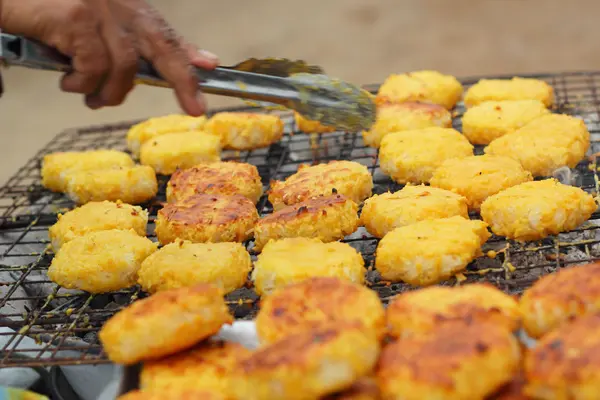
(202, 58)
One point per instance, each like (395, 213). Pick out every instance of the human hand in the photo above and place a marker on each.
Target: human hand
(105, 39)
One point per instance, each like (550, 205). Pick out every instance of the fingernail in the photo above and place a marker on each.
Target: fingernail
(94, 102)
(209, 55)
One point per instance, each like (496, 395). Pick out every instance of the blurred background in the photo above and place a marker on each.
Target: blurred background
(361, 41)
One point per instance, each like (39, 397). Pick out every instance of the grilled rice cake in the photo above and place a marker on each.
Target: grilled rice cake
(422, 311)
(403, 117)
(101, 261)
(183, 263)
(430, 251)
(457, 360)
(388, 211)
(207, 218)
(225, 177)
(490, 120)
(57, 166)
(327, 218)
(245, 131)
(308, 365)
(164, 324)
(167, 153)
(413, 156)
(420, 86)
(293, 260)
(133, 185)
(172, 394)
(97, 216)
(363, 389)
(147, 130)
(535, 210)
(509, 89)
(545, 144)
(207, 366)
(555, 299)
(565, 363)
(479, 177)
(316, 302)
(308, 126)
(348, 178)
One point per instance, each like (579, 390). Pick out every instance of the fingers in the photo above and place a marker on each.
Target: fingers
(201, 58)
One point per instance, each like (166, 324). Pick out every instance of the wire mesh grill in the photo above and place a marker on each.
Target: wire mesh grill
(43, 324)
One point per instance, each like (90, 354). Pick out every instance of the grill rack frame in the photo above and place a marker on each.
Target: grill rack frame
(27, 211)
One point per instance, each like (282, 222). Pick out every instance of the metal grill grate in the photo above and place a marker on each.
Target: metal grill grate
(43, 324)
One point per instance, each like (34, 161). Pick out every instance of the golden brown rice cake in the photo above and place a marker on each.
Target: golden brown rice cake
(421, 86)
(57, 166)
(385, 212)
(225, 177)
(404, 117)
(327, 218)
(293, 260)
(308, 126)
(100, 262)
(172, 394)
(479, 177)
(245, 131)
(545, 144)
(348, 178)
(442, 364)
(97, 216)
(308, 365)
(413, 156)
(317, 302)
(509, 89)
(555, 299)
(430, 251)
(422, 311)
(565, 363)
(493, 119)
(363, 389)
(164, 324)
(180, 264)
(535, 210)
(207, 218)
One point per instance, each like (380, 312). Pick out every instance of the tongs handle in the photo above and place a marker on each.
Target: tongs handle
(225, 81)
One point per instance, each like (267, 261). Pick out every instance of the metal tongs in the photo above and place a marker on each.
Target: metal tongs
(291, 84)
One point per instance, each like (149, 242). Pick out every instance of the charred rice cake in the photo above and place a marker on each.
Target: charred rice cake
(317, 302)
(565, 364)
(413, 156)
(555, 299)
(403, 117)
(97, 216)
(545, 144)
(164, 324)
(509, 89)
(421, 86)
(308, 126)
(385, 212)
(293, 260)
(493, 119)
(327, 218)
(133, 185)
(444, 363)
(100, 262)
(57, 166)
(430, 251)
(207, 366)
(167, 153)
(420, 312)
(140, 133)
(180, 264)
(207, 218)
(535, 210)
(348, 178)
(479, 177)
(245, 131)
(225, 177)
(308, 365)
